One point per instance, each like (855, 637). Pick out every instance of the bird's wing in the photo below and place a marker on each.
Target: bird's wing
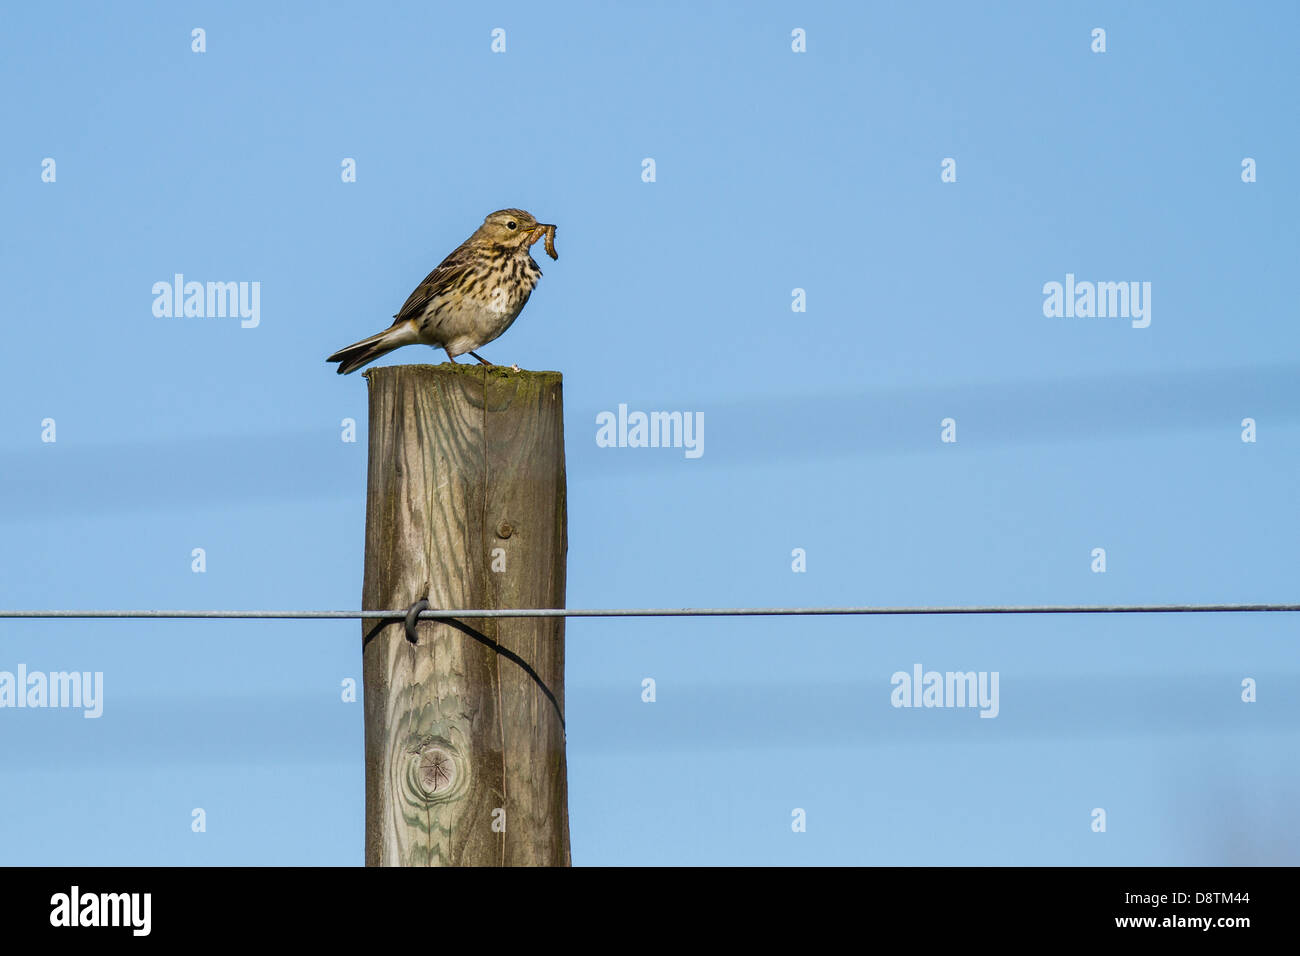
(449, 273)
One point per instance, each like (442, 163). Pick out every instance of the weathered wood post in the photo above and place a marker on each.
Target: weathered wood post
(465, 506)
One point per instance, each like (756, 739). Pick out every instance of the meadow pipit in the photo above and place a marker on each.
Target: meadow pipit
(471, 298)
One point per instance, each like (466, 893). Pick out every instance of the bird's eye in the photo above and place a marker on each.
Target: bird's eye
(510, 224)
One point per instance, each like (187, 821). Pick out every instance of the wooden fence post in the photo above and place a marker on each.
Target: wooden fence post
(465, 506)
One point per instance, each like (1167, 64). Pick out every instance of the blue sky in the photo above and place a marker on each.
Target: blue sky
(775, 171)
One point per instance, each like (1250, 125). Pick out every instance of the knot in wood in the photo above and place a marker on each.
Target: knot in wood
(437, 770)
(434, 772)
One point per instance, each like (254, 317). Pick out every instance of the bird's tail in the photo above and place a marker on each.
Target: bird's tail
(366, 351)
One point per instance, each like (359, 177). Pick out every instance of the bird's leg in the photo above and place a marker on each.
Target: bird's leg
(451, 358)
(483, 360)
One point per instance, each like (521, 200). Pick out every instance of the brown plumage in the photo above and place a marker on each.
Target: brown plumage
(471, 298)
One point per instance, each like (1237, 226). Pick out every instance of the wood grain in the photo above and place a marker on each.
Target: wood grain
(465, 460)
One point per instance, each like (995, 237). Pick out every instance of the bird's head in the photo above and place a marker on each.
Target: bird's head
(512, 228)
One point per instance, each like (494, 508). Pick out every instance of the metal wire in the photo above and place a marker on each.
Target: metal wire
(434, 614)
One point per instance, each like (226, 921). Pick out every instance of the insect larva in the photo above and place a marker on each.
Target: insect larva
(550, 242)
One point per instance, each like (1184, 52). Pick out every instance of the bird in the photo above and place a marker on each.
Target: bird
(471, 298)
